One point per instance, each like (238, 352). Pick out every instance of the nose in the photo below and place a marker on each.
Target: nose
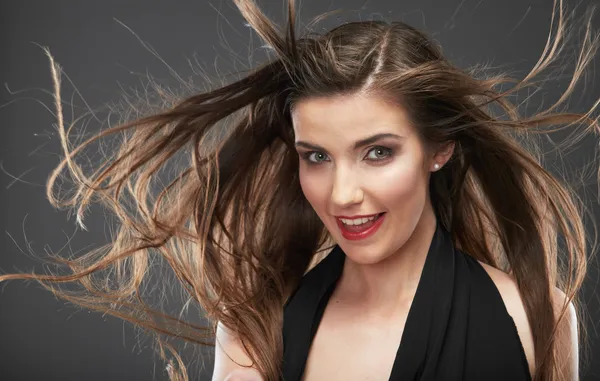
(346, 189)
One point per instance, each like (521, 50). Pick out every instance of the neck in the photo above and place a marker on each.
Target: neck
(383, 289)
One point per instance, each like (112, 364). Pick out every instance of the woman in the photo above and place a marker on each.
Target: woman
(352, 209)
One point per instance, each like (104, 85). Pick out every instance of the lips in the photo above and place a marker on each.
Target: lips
(353, 232)
(355, 217)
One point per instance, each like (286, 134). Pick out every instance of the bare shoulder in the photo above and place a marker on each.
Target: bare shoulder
(507, 287)
(567, 337)
(232, 362)
(567, 332)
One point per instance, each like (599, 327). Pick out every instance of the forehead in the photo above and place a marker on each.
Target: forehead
(350, 115)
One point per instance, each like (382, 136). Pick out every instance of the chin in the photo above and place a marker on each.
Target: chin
(364, 257)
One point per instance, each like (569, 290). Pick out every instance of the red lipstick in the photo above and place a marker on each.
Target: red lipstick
(353, 232)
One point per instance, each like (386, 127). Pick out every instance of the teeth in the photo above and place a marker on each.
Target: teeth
(357, 221)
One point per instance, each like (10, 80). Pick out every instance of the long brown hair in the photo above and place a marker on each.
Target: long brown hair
(234, 226)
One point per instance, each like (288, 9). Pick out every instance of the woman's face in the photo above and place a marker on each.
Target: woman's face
(360, 156)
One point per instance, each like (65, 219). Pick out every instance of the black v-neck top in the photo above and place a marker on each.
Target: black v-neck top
(457, 327)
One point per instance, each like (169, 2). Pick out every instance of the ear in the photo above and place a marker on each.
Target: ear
(441, 156)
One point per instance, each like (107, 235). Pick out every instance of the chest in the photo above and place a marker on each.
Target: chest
(352, 349)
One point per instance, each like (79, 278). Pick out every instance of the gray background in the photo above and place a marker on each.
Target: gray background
(42, 338)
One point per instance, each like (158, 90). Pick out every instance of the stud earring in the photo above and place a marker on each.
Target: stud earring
(436, 166)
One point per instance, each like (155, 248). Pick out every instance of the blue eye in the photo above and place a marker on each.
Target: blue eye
(317, 157)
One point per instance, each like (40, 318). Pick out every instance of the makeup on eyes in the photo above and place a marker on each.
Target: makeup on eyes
(388, 152)
(370, 141)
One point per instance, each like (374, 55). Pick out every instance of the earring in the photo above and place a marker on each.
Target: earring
(436, 166)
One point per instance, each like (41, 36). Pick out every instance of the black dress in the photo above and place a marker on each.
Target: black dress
(457, 327)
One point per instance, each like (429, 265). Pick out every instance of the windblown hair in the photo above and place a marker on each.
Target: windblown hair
(235, 227)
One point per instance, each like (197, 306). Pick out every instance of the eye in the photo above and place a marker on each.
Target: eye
(319, 156)
(381, 153)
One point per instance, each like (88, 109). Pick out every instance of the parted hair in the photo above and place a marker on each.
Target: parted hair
(235, 227)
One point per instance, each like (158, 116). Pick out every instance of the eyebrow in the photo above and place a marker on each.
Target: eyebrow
(358, 144)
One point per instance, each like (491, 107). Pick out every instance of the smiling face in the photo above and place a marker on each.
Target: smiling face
(360, 156)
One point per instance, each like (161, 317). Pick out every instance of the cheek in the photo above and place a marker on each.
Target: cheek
(398, 184)
(313, 189)
(395, 185)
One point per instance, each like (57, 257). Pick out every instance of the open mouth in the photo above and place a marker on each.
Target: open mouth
(361, 230)
(365, 224)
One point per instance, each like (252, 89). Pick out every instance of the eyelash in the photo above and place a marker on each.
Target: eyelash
(388, 153)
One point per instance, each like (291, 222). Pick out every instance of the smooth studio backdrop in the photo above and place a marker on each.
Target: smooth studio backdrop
(100, 45)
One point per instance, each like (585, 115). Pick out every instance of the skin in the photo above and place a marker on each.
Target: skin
(389, 175)
(380, 275)
(381, 272)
